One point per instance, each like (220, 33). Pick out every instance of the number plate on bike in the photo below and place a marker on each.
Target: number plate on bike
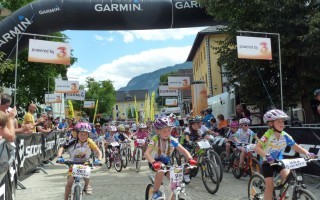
(204, 144)
(81, 171)
(176, 177)
(114, 144)
(250, 147)
(140, 141)
(294, 163)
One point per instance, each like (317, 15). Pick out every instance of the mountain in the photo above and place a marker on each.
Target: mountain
(151, 80)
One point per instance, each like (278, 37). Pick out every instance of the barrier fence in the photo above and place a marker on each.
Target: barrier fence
(29, 151)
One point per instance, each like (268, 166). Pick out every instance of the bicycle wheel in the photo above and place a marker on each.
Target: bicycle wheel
(256, 187)
(138, 159)
(301, 194)
(118, 162)
(129, 156)
(77, 193)
(101, 149)
(213, 155)
(254, 167)
(173, 156)
(236, 170)
(124, 158)
(225, 161)
(149, 192)
(210, 177)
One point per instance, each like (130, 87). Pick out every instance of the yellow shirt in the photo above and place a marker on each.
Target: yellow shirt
(29, 119)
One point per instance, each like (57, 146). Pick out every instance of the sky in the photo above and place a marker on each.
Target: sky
(121, 55)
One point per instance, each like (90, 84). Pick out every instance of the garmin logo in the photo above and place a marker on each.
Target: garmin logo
(48, 11)
(187, 4)
(116, 7)
(19, 28)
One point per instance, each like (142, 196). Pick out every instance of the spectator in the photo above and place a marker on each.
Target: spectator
(41, 126)
(63, 124)
(315, 106)
(222, 124)
(29, 119)
(208, 116)
(242, 112)
(6, 127)
(214, 124)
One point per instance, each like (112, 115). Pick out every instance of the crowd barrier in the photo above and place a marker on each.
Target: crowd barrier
(23, 156)
(28, 152)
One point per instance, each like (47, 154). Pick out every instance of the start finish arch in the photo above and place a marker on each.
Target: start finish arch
(47, 16)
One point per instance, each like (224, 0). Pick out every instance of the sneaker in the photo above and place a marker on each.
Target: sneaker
(186, 178)
(88, 190)
(156, 195)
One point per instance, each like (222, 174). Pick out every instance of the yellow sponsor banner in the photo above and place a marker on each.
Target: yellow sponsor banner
(71, 111)
(254, 48)
(62, 86)
(49, 52)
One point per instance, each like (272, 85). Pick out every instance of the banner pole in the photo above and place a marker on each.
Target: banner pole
(16, 72)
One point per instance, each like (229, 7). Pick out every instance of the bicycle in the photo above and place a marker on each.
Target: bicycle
(176, 183)
(137, 157)
(113, 155)
(124, 153)
(256, 186)
(100, 143)
(209, 171)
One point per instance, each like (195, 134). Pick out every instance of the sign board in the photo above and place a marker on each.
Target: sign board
(254, 48)
(62, 86)
(77, 96)
(171, 110)
(164, 91)
(53, 98)
(49, 52)
(171, 102)
(89, 104)
(178, 82)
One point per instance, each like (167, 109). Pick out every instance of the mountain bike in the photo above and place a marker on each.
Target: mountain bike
(176, 183)
(256, 186)
(124, 152)
(113, 155)
(137, 157)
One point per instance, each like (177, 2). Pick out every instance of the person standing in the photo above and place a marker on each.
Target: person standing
(29, 119)
(207, 117)
(315, 106)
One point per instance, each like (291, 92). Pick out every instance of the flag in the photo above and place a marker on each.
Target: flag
(95, 111)
(71, 111)
(152, 105)
(136, 109)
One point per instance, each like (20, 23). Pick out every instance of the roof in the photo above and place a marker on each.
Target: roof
(129, 95)
(208, 31)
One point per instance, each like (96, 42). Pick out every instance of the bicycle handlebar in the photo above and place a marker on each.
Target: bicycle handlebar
(165, 168)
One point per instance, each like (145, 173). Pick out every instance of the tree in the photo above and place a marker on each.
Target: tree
(297, 22)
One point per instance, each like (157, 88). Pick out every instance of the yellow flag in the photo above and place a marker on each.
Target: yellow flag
(152, 106)
(71, 111)
(95, 110)
(136, 109)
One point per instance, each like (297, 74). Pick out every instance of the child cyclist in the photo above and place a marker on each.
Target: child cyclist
(160, 149)
(229, 136)
(244, 135)
(142, 133)
(80, 151)
(271, 147)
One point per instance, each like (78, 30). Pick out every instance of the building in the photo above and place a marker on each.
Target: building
(205, 59)
(125, 103)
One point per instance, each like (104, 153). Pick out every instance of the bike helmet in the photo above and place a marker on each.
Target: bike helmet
(121, 128)
(274, 114)
(195, 119)
(234, 124)
(83, 127)
(142, 125)
(97, 124)
(112, 128)
(126, 126)
(244, 121)
(162, 122)
(316, 92)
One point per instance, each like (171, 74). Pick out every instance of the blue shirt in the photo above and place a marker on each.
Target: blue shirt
(206, 120)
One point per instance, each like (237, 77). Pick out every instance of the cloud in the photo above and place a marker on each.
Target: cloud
(123, 69)
(159, 34)
(101, 38)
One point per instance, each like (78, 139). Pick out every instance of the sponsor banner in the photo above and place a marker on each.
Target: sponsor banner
(62, 86)
(171, 102)
(254, 48)
(89, 104)
(53, 98)
(199, 97)
(48, 145)
(178, 82)
(164, 91)
(49, 52)
(171, 110)
(80, 96)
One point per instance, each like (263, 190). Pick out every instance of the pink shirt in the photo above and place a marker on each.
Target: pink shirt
(141, 135)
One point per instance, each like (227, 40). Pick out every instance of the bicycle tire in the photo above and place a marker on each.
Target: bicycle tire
(108, 159)
(213, 155)
(117, 159)
(209, 172)
(92, 156)
(256, 183)
(77, 193)
(306, 193)
(124, 158)
(236, 170)
(225, 162)
(101, 149)
(149, 192)
(129, 156)
(173, 156)
(254, 167)
(138, 159)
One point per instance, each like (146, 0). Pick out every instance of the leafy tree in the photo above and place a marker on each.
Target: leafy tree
(6, 65)
(297, 22)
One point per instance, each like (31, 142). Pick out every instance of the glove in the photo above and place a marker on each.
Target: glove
(269, 159)
(97, 162)
(192, 162)
(156, 165)
(311, 155)
(60, 160)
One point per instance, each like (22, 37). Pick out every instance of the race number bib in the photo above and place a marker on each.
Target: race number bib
(250, 147)
(294, 163)
(114, 144)
(81, 171)
(176, 177)
(204, 144)
(140, 141)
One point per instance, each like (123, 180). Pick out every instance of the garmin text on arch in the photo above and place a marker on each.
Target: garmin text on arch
(117, 7)
(187, 4)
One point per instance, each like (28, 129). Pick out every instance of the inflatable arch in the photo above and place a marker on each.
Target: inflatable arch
(47, 16)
